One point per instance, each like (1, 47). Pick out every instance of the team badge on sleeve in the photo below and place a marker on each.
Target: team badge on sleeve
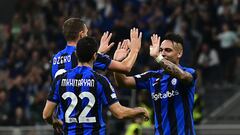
(174, 81)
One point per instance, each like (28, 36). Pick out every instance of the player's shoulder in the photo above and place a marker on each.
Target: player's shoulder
(56, 55)
(98, 75)
(59, 77)
(64, 51)
(101, 78)
(192, 71)
(149, 74)
(188, 69)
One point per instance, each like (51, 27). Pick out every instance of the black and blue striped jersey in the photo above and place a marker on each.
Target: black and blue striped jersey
(81, 94)
(66, 59)
(172, 101)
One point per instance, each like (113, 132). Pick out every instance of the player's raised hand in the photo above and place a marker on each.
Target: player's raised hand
(135, 40)
(154, 47)
(122, 50)
(104, 43)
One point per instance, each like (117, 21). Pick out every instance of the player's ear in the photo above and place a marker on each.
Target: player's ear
(94, 56)
(80, 35)
(180, 53)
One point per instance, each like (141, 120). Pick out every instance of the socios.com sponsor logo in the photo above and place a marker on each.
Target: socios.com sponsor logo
(168, 94)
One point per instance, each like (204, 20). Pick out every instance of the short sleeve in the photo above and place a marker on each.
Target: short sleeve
(108, 95)
(54, 91)
(142, 80)
(193, 73)
(102, 62)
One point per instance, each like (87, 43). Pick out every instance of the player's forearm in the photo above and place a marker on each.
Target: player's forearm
(130, 60)
(134, 112)
(119, 79)
(122, 80)
(126, 113)
(175, 71)
(48, 112)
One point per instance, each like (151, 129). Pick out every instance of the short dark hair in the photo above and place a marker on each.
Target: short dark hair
(72, 27)
(86, 47)
(174, 38)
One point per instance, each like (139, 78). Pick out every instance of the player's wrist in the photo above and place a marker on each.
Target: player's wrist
(118, 59)
(134, 50)
(159, 58)
(139, 109)
(100, 52)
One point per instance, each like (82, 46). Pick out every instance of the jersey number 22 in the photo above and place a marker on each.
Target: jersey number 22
(82, 118)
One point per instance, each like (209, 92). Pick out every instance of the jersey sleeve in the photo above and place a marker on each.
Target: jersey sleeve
(108, 95)
(102, 62)
(193, 73)
(54, 91)
(142, 80)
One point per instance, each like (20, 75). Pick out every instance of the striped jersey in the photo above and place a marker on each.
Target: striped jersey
(172, 101)
(66, 59)
(81, 93)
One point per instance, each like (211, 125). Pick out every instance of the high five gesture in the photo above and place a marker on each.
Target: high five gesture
(104, 43)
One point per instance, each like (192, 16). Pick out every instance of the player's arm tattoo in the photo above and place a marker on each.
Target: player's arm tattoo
(175, 71)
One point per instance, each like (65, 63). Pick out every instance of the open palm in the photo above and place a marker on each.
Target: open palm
(154, 47)
(122, 50)
(104, 43)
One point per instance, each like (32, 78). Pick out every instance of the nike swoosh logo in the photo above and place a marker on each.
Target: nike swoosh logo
(156, 82)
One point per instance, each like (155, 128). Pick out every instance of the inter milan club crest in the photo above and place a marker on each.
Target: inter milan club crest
(174, 81)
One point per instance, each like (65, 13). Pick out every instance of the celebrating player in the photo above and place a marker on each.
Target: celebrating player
(172, 88)
(81, 93)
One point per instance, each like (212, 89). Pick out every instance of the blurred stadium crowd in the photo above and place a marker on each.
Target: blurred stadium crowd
(210, 29)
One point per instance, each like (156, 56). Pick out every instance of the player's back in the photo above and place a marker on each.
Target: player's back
(82, 94)
(64, 60)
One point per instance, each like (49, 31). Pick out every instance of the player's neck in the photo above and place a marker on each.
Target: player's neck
(86, 64)
(177, 63)
(71, 43)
